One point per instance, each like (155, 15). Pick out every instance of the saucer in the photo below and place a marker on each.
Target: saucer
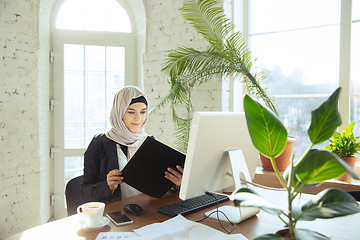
(104, 221)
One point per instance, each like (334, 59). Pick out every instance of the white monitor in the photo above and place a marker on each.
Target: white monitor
(207, 166)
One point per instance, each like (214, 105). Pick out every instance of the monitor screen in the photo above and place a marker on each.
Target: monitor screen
(207, 165)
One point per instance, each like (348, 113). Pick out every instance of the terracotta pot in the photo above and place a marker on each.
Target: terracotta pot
(346, 176)
(282, 161)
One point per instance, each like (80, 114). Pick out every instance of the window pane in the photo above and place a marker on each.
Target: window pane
(74, 57)
(95, 58)
(70, 15)
(115, 75)
(115, 59)
(355, 10)
(113, 20)
(73, 167)
(93, 15)
(94, 21)
(295, 114)
(92, 77)
(281, 15)
(95, 104)
(297, 46)
(73, 109)
(310, 57)
(354, 67)
(114, 82)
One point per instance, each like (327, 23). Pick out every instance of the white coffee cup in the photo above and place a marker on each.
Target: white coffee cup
(92, 213)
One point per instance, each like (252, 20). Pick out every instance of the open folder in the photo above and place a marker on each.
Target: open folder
(145, 171)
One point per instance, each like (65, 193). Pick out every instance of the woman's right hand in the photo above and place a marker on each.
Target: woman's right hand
(113, 179)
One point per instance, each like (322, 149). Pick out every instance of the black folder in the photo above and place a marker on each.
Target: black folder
(145, 171)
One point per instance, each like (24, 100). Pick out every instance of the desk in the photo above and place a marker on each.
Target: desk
(345, 228)
(269, 178)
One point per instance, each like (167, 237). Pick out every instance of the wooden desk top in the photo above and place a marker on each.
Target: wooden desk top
(269, 178)
(68, 228)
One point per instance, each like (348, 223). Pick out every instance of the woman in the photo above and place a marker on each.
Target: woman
(108, 153)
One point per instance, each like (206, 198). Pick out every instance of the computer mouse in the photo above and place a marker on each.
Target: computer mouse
(134, 209)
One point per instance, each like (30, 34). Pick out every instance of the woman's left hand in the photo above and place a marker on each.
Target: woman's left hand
(174, 176)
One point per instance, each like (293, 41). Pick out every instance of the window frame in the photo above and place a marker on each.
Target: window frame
(243, 24)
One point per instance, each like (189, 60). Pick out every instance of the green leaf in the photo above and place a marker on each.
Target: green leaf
(325, 119)
(347, 167)
(345, 144)
(348, 130)
(318, 166)
(245, 198)
(304, 234)
(267, 133)
(330, 203)
(209, 20)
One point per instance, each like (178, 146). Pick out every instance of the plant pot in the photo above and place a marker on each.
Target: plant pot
(283, 160)
(346, 176)
(284, 233)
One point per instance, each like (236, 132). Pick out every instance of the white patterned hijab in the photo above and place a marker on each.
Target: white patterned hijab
(119, 132)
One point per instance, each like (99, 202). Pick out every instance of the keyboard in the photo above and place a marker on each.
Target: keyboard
(192, 204)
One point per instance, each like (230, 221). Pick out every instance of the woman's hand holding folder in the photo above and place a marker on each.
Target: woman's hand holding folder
(113, 179)
(174, 175)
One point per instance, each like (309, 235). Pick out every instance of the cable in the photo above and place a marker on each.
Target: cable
(217, 212)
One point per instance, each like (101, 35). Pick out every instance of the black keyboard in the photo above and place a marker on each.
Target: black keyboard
(192, 204)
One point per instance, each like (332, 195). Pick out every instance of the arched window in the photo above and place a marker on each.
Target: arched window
(93, 15)
(93, 57)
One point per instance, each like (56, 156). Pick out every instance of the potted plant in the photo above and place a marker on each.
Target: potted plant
(226, 56)
(345, 146)
(315, 166)
(283, 160)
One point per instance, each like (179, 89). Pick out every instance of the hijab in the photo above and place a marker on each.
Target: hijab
(119, 132)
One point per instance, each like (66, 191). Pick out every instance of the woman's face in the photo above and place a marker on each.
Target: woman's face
(135, 116)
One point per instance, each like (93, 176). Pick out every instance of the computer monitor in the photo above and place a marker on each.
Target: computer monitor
(207, 165)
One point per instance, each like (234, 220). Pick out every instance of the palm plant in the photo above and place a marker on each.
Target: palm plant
(226, 56)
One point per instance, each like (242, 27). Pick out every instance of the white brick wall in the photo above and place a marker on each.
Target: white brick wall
(167, 30)
(25, 80)
(24, 115)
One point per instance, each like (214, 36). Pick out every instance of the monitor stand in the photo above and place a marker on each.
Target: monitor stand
(239, 170)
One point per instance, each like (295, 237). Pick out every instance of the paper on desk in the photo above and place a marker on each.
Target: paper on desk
(175, 226)
(203, 232)
(179, 228)
(239, 236)
(118, 235)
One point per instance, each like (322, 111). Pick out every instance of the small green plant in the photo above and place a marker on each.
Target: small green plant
(315, 166)
(345, 144)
